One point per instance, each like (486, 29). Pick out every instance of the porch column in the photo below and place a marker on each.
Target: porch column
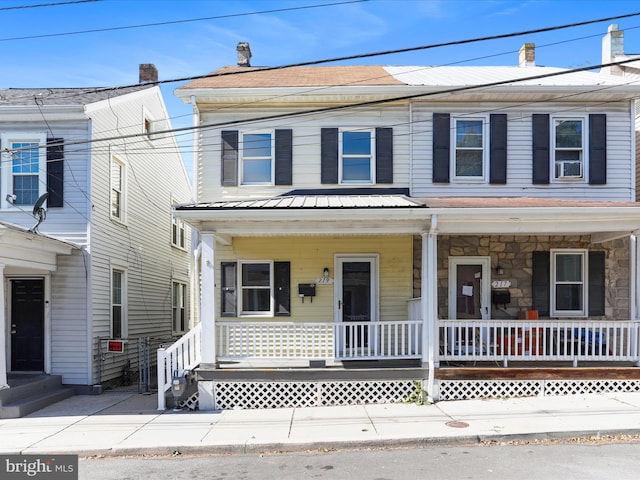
(206, 399)
(3, 336)
(634, 293)
(207, 300)
(429, 305)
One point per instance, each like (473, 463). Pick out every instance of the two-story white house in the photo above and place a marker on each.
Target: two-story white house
(109, 261)
(376, 227)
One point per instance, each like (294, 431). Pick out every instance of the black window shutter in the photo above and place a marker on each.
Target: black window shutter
(597, 149)
(283, 157)
(541, 282)
(329, 155)
(498, 149)
(55, 172)
(282, 286)
(229, 158)
(384, 155)
(541, 148)
(441, 147)
(596, 283)
(229, 297)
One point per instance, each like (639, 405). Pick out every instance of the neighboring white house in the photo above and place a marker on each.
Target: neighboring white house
(109, 261)
(415, 214)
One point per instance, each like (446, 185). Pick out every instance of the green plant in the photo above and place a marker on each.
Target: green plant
(419, 396)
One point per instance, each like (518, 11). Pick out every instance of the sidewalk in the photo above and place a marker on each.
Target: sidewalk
(116, 423)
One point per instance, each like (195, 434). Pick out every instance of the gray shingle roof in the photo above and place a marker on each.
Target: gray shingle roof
(62, 96)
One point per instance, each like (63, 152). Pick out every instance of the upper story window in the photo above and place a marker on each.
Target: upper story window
(148, 124)
(178, 232)
(24, 169)
(568, 283)
(256, 166)
(118, 189)
(469, 149)
(357, 162)
(568, 148)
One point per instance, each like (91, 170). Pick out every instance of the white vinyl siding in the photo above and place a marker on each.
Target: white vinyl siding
(306, 150)
(620, 184)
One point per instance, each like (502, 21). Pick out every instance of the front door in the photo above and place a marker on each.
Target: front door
(469, 296)
(356, 294)
(27, 325)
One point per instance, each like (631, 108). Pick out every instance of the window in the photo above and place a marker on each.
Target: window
(256, 288)
(117, 189)
(179, 309)
(356, 157)
(568, 282)
(26, 169)
(117, 304)
(568, 148)
(469, 148)
(263, 288)
(257, 158)
(178, 232)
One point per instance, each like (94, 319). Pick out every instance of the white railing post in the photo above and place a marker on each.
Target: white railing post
(161, 378)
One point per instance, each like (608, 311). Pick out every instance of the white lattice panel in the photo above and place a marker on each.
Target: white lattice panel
(229, 395)
(468, 389)
(190, 402)
(579, 387)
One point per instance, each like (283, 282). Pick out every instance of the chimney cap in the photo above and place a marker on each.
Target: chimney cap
(527, 55)
(244, 54)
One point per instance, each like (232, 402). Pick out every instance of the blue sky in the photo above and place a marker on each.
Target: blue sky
(111, 58)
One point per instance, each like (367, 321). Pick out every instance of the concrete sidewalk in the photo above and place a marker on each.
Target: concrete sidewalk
(116, 423)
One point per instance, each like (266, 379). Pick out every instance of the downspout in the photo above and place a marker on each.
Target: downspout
(195, 149)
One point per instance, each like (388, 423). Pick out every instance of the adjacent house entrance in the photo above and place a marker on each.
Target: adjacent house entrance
(27, 325)
(469, 298)
(356, 291)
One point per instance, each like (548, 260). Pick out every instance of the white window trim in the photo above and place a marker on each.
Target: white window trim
(124, 324)
(123, 190)
(240, 298)
(185, 304)
(241, 157)
(585, 150)
(178, 224)
(485, 149)
(372, 163)
(585, 282)
(6, 164)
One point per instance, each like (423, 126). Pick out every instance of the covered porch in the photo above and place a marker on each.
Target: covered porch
(419, 323)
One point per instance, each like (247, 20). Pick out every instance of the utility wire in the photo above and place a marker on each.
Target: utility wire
(173, 22)
(57, 4)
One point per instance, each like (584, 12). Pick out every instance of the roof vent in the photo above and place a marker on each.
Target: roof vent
(244, 54)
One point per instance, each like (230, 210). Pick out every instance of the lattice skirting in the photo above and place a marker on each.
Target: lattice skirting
(476, 389)
(230, 395)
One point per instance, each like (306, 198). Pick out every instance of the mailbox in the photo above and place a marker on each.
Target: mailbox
(307, 289)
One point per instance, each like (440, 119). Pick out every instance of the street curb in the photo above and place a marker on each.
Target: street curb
(276, 448)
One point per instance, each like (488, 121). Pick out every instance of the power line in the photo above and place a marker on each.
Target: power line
(57, 4)
(173, 22)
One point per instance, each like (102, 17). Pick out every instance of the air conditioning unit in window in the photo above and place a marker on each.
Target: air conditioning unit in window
(569, 169)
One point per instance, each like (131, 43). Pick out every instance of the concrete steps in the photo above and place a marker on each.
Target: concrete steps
(32, 394)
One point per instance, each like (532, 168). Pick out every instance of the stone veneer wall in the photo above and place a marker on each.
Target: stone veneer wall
(514, 255)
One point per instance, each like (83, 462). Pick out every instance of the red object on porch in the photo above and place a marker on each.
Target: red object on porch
(525, 343)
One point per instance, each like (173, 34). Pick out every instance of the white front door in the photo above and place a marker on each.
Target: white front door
(356, 302)
(469, 293)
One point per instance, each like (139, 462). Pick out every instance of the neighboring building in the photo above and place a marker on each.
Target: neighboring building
(109, 261)
(379, 217)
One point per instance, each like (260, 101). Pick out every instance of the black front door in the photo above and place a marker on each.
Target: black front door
(27, 325)
(356, 299)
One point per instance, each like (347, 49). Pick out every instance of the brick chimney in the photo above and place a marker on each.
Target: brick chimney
(148, 73)
(244, 54)
(612, 47)
(527, 55)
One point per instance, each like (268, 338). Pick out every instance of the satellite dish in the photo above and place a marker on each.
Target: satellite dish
(39, 212)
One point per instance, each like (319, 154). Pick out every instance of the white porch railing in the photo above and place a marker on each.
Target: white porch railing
(341, 340)
(182, 355)
(539, 340)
